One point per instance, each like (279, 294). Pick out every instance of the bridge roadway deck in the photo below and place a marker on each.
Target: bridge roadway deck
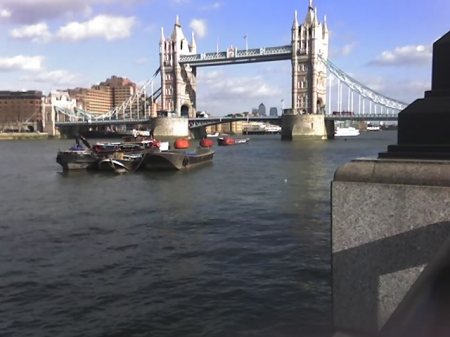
(201, 122)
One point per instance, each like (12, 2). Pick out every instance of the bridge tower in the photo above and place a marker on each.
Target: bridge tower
(309, 74)
(178, 82)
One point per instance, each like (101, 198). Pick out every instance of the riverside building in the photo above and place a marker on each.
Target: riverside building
(105, 96)
(21, 110)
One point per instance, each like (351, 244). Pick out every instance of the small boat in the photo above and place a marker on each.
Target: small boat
(273, 129)
(225, 141)
(346, 132)
(241, 140)
(128, 146)
(260, 128)
(109, 155)
(121, 163)
(176, 159)
(372, 127)
(77, 158)
(211, 135)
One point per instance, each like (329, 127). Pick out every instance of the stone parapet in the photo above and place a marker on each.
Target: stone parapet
(389, 220)
(396, 171)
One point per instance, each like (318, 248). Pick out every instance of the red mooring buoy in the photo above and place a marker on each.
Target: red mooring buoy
(206, 142)
(181, 143)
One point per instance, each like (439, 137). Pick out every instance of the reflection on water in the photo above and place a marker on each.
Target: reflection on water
(236, 248)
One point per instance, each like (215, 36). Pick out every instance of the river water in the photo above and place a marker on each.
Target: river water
(239, 247)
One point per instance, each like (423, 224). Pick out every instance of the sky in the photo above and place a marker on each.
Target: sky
(59, 44)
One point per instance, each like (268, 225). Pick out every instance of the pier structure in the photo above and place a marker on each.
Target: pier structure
(391, 225)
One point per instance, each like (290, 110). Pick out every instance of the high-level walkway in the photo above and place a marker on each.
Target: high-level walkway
(236, 56)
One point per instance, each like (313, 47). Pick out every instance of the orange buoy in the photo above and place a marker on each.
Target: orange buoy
(229, 141)
(181, 143)
(206, 142)
(223, 141)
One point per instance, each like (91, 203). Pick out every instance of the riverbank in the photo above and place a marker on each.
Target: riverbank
(23, 135)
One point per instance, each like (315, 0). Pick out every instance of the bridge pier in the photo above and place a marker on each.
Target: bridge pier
(304, 125)
(198, 133)
(50, 129)
(330, 128)
(170, 126)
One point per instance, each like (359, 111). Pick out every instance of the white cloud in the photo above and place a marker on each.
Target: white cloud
(180, 2)
(151, 28)
(345, 50)
(142, 60)
(37, 33)
(21, 62)
(253, 86)
(406, 55)
(101, 26)
(55, 78)
(199, 27)
(220, 94)
(398, 87)
(213, 6)
(32, 11)
(404, 90)
(4, 13)
(375, 83)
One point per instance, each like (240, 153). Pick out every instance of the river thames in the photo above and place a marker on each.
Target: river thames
(239, 247)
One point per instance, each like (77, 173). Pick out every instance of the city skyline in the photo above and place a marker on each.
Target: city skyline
(54, 45)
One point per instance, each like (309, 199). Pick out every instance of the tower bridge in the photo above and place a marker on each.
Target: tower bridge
(320, 91)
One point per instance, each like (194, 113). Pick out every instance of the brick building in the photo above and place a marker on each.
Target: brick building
(21, 110)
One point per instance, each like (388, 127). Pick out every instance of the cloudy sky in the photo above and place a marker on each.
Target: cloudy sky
(59, 44)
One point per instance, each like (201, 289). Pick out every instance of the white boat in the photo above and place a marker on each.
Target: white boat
(270, 128)
(373, 127)
(346, 132)
(260, 128)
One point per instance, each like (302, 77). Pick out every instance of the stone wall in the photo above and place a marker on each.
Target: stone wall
(390, 218)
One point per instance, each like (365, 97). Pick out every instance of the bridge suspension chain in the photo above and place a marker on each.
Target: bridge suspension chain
(78, 114)
(129, 102)
(74, 115)
(363, 90)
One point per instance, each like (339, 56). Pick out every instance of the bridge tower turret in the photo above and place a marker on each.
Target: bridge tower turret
(178, 82)
(309, 74)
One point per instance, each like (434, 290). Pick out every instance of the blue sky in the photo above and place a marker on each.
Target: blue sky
(59, 44)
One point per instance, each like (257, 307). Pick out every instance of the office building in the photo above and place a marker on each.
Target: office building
(105, 96)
